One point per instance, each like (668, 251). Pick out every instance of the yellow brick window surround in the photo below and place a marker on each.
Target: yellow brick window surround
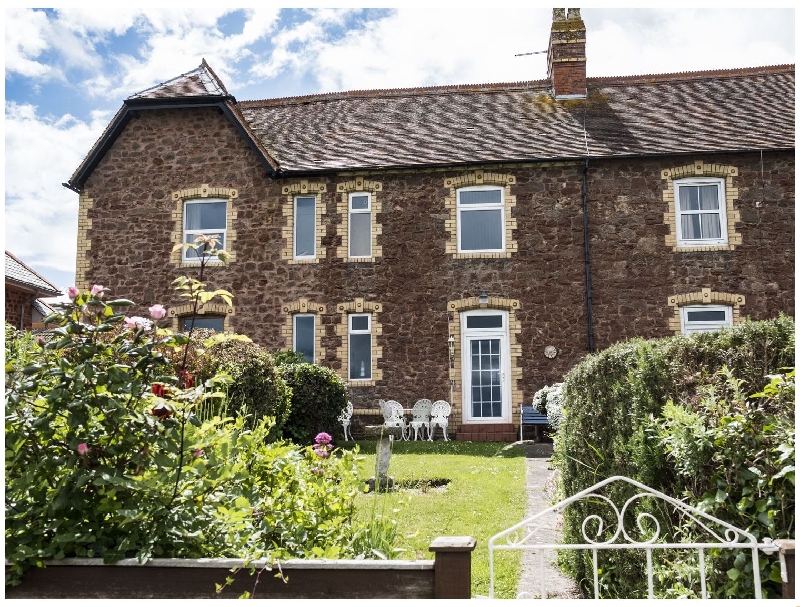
(176, 313)
(303, 306)
(704, 297)
(471, 180)
(345, 189)
(292, 191)
(454, 309)
(85, 203)
(359, 306)
(204, 191)
(697, 170)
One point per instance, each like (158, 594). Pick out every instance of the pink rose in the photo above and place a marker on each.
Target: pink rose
(97, 290)
(134, 322)
(72, 292)
(198, 453)
(157, 311)
(83, 449)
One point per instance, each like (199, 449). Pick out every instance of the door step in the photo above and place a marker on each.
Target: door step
(499, 433)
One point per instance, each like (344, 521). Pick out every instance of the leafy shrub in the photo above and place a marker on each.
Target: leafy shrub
(614, 398)
(287, 357)
(256, 390)
(100, 463)
(737, 456)
(318, 397)
(548, 401)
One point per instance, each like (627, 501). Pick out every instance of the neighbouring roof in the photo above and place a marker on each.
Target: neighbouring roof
(696, 112)
(42, 308)
(20, 275)
(666, 114)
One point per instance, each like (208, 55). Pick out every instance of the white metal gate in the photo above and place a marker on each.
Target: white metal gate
(718, 534)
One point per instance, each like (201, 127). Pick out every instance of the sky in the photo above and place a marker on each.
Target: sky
(67, 71)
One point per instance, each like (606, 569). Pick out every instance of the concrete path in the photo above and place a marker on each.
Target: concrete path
(538, 478)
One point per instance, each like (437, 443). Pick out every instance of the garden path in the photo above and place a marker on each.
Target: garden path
(539, 477)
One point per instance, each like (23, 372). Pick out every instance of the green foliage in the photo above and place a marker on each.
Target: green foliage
(256, 390)
(98, 463)
(613, 400)
(318, 397)
(287, 357)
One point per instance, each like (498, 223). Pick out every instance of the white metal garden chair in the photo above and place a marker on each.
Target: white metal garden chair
(393, 416)
(420, 418)
(440, 412)
(344, 419)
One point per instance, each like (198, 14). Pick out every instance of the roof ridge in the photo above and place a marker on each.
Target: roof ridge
(505, 86)
(32, 271)
(204, 72)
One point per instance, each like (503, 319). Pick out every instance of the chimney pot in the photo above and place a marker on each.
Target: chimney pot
(566, 54)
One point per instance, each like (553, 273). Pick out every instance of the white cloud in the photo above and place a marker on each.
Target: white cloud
(26, 38)
(41, 153)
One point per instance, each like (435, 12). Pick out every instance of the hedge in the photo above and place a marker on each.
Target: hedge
(318, 397)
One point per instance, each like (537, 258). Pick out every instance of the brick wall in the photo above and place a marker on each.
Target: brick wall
(415, 274)
(18, 301)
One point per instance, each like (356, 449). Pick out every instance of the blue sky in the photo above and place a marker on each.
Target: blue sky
(67, 71)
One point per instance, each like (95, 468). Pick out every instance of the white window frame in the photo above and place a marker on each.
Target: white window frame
(313, 317)
(501, 333)
(350, 333)
(688, 327)
(350, 213)
(313, 253)
(501, 206)
(722, 212)
(185, 321)
(187, 232)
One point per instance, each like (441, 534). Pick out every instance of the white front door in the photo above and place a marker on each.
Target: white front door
(485, 366)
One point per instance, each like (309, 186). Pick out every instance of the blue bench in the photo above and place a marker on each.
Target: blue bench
(531, 417)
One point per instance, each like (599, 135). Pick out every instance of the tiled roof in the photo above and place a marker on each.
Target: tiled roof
(21, 275)
(693, 112)
(200, 82)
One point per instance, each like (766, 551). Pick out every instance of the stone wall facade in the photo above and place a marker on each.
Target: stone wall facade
(19, 308)
(413, 276)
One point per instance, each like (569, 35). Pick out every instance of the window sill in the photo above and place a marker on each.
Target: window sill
(356, 383)
(483, 255)
(709, 247)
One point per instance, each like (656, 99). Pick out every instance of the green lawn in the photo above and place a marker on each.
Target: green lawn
(485, 495)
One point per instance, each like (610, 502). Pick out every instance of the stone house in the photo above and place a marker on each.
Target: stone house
(468, 243)
(23, 288)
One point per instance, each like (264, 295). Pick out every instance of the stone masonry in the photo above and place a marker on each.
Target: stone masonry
(127, 226)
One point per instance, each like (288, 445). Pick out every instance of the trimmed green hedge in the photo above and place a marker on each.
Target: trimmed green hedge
(318, 397)
(614, 404)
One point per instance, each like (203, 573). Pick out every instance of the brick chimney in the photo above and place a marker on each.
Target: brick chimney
(566, 54)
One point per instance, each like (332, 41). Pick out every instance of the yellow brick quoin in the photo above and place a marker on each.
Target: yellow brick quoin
(301, 188)
(358, 184)
(303, 306)
(359, 306)
(704, 296)
(204, 191)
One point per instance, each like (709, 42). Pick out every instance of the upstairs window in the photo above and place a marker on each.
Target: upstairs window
(700, 212)
(304, 336)
(702, 319)
(360, 224)
(305, 227)
(206, 217)
(481, 220)
(360, 347)
(215, 323)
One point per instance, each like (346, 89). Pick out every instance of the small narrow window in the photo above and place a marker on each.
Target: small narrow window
(360, 223)
(702, 319)
(360, 346)
(304, 336)
(700, 212)
(215, 323)
(305, 228)
(203, 217)
(481, 220)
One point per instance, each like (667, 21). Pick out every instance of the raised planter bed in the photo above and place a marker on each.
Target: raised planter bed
(447, 576)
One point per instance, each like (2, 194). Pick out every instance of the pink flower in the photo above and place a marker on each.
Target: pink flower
(97, 290)
(40, 340)
(134, 322)
(323, 438)
(157, 311)
(72, 292)
(83, 449)
(322, 452)
(198, 453)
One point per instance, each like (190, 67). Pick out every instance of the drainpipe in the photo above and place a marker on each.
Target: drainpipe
(587, 264)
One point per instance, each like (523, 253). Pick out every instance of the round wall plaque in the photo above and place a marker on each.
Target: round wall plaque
(550, 351)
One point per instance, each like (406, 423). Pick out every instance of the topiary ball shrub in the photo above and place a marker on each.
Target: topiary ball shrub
(318, 397)
(257, 389)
